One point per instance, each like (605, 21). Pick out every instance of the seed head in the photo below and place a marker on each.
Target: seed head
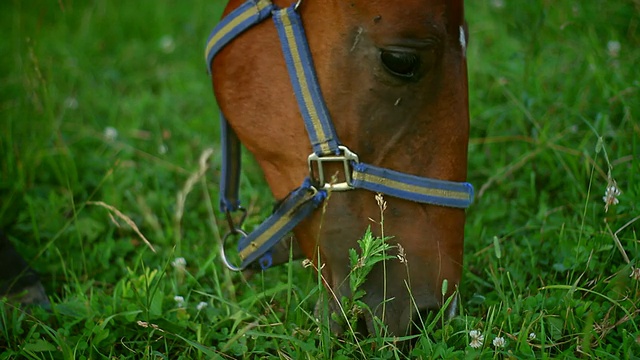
(611, 196)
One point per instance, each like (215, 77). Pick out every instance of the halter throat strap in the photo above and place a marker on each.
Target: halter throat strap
(324, 140)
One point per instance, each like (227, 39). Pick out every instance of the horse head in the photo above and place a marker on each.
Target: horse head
(394, 81)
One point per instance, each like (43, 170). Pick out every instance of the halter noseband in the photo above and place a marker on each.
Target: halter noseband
(326, 147)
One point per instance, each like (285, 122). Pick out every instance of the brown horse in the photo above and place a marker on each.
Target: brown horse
(394, 80)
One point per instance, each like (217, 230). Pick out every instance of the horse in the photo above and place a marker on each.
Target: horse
(375, 93)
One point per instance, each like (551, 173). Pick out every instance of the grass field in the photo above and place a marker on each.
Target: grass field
(108, 104)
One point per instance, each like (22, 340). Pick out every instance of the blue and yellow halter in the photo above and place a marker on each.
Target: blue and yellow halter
(302, 201)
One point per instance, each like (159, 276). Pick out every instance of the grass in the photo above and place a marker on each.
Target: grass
(104, 102)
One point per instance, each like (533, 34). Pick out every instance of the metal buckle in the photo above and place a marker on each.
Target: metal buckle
(347, 158)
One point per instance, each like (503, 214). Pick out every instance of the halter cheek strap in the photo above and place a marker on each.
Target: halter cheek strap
(305, 83)
(326, 147)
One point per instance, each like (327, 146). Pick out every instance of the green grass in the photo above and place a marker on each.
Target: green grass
(554, 121)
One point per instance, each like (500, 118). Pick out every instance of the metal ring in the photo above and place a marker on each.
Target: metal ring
(223, 255)
(297, 5)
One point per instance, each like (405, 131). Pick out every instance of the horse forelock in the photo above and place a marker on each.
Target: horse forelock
(456, 24)
(455, 14)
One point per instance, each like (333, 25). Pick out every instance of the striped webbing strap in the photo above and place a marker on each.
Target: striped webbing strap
(304, 200)
(231, 26)
(235, 23)
(297, 206)
(305, 83)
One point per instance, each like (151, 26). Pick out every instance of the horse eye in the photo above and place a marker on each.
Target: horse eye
(400, 64)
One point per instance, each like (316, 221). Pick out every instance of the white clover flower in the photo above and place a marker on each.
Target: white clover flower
(179, 300)
(179, 263)
(167, 44)
(71, 103)
(611, 196)
(499, 341)
(201, 305)
(498, 4)
(162, 149)
(477, 339)
(613, 47)
(532, 336)
(110, 133)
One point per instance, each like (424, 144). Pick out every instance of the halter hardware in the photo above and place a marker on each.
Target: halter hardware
(303, 201)
(223, 254)
(233, 224)
(317, 173)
